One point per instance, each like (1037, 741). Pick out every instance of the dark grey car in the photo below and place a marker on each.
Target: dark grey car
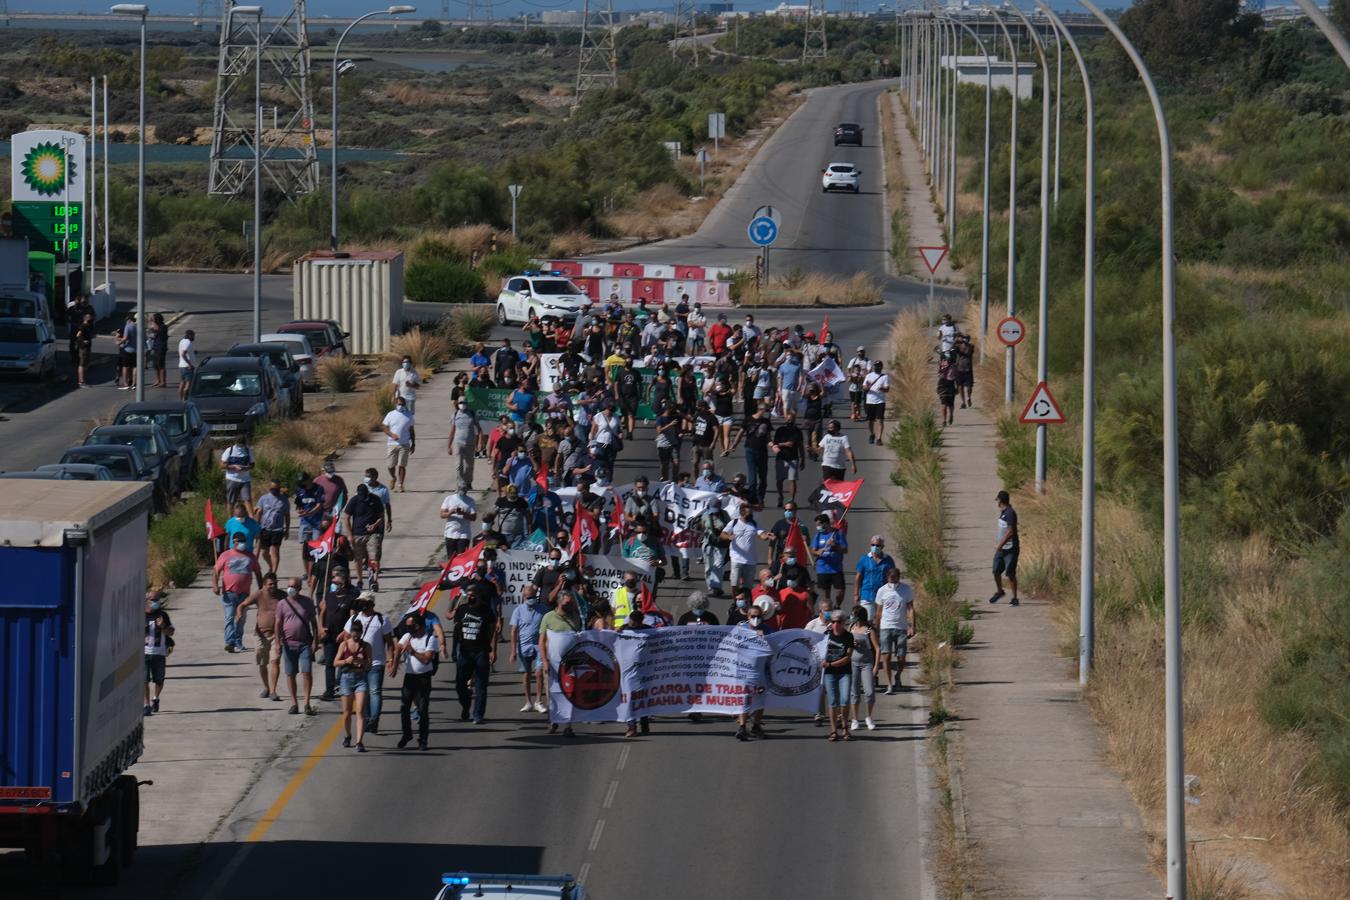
(287, 368)
(182, 422)
(236, 394)
(155, 447)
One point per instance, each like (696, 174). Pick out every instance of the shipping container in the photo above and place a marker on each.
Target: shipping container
(361, 290)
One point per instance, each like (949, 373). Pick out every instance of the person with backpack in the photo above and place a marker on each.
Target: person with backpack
(420, 648)
(297, 627)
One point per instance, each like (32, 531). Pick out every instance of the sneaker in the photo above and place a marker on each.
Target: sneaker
(347, 741)
(871, 726)
(890, 690)
(403, 742)
(294, 710)
(264, 694)
(373, 726)
(360, 748)
(229, 648)
(149, 711)
(1015, 602)
(310, 711)
(274, 696)
(553, 728)
(539, 707)
(997, 597)
(478, 721)
(853, 725)
(757, 731)
(464, 714)
(327, 697)
(742, 734)
(631, 731)
(819, 719)
(528, 707)
(421, 745)
(154, 705)
(568, 732)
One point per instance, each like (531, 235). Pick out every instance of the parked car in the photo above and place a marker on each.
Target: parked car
(27, 347)
(236, 394)
(68, 472)
(122, 460)
(325, 336)
(155, 447)
(301, 352)
(840, 177)
(182, 422)
(848, 133)
(279, 355)
(539, 294)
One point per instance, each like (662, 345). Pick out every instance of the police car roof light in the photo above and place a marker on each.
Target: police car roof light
(460, 879)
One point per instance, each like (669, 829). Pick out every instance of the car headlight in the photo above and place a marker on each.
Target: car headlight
(257, 409)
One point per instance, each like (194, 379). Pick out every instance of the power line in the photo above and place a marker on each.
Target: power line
(814, 45)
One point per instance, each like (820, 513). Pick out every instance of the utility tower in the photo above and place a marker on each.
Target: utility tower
(290, 157)
(598, 65)
(813, 43)
(686, 31)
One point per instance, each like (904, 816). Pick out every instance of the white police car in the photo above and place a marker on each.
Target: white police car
(539, 294)
(459, 885)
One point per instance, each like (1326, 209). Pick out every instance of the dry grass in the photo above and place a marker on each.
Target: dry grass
(429, 350)
(339, 374)
(660, 212)
(802, 290)
(416, 96)
(569, 243)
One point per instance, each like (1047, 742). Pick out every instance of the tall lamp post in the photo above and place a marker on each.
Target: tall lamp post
(141, 10)
(337, 49)
(257, 12)
(1011, 292)
(1176, 801)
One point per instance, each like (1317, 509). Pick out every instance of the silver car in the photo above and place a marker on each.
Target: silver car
(27, 347)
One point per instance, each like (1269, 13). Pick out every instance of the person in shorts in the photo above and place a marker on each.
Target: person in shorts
(895, 605)
(309, 501)
(297, 628)
(268, 654)
(187, 362)
(158, 646)
(1006, 549)
(274, 519)
(946, 388)
(876, 384)
(829, 545)
(400, 430)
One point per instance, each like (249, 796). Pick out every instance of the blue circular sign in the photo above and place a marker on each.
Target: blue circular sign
(763, 231)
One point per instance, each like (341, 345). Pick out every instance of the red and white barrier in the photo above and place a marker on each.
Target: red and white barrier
(592, 268)
(656, 283)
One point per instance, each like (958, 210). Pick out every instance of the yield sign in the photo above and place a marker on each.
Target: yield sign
(1042, 409)
(933, 257)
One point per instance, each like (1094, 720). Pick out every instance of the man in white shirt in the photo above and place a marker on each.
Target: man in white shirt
(237, 462)
(742, 534)
(458, 510)
(875, 387)
(946, 333)
(419, 647)
(187, 363)
(895, 599)
(398, 428)
(379, 634)
(406, 383)
(835, 451)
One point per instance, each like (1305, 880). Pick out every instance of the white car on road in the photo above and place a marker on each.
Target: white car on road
(539, 294)
(462, 885)
(840, 177)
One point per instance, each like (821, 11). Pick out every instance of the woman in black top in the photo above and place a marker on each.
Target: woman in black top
(688, 389)
(159, 347)
(814, 397)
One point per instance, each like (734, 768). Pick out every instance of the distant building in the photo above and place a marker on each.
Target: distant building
(790, 10)
(717, 9)
(560, 17)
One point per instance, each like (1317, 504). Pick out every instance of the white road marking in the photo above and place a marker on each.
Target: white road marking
(595, 837)
(609, 795)
(623, 757)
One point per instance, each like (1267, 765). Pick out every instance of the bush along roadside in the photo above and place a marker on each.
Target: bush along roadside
(942, 624)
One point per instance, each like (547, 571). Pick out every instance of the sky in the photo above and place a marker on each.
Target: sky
(318, 8)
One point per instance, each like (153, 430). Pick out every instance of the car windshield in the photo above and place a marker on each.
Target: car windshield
(17, 307)
(275, 357)
(554, 286)
(318, 336)
(142, 442)
(174, 423)
(117, 463)
(226, 384)
(18, 334)
(842, 170)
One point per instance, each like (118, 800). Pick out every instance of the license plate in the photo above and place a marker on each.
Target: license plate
(224, 427)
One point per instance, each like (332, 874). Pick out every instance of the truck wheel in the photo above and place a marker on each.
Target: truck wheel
(110, 871)
(131, 817)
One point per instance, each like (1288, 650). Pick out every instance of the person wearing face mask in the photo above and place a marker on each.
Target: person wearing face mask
(503, 445)
(268, 655)
(420, 647)
(640, 507)
(463, 441)
(838, 674)
(297, 628)
(376, 631)
(512, 517)
(876, 385)
(519, 471)
(335, 608)
(365, 520)
(871, 575)
(835, 453)
(458, 511)
(829, 546)
(406, 383)
(243, 525)
(627, 597)
(740, 605)
(274, 521)
(782, 531)
(401, 433)
(711, 523)
(757, 431)
(741, 535)
(546, 579)
(709, 480)
(232, 580)
(751, 725)
(698, 613)
(564, 619)
(525, 622)
(158, 645)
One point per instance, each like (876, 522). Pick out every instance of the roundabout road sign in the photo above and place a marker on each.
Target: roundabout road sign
(1011, 331)
(763, 231)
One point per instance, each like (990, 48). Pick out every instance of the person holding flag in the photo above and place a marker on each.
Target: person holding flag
(829, 546)
(214, 532)
(309, 500)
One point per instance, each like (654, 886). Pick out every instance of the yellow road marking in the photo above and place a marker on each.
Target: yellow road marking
(293, 786)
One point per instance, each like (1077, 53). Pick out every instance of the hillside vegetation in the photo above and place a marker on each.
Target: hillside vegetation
(1261, 123)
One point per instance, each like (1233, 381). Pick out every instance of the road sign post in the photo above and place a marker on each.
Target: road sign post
(932, 258)
(702, 157)
(1041, 409)
(1011, 331)
(515, 192)
(717, 128)
(763, 231)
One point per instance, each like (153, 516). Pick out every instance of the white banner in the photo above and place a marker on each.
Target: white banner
(609, 571)
(830, 377)
(608, 676)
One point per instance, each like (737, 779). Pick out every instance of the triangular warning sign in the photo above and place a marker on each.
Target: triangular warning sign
(1042, 409)
(933, 257)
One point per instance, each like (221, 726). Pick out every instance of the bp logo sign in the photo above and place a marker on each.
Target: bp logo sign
(43, 169)
(40, 161)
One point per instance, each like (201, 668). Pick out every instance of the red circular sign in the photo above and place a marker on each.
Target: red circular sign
(1011, 331)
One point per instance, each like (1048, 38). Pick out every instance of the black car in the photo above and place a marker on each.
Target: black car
(182, 423)
(124, 461)
(160, 455)
(236, 394)
(848, 133)
(289, 370)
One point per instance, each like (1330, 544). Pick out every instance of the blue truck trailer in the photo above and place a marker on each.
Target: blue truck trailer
(72, 630)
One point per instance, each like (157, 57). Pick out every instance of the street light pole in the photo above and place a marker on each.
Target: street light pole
(141, 10)
(333, 164)
(1088, 550)
(1176, 801)
(1059, 103)
(1043, 309)
(1009, 373)
(984, 238)
(951, 150)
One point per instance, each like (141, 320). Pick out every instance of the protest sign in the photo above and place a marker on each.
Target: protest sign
(830, 377)
(608, 676)
(488, 404)
(520, 565)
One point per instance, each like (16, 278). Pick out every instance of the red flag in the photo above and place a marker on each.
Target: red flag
(647, 603)
(824, 328)
(455, 570)
(213, 530)
(616, 519)
(796, 542)
(426, 594)
(585, 530)
(324, 545)
(836, 494)
(541, 479)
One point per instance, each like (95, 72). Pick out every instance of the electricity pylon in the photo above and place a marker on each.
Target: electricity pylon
(686, 31)
(814, 45)
(598, 64)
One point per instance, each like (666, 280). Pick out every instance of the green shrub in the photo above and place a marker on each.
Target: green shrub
(443, 281)
(505, 263)
(181, 567)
